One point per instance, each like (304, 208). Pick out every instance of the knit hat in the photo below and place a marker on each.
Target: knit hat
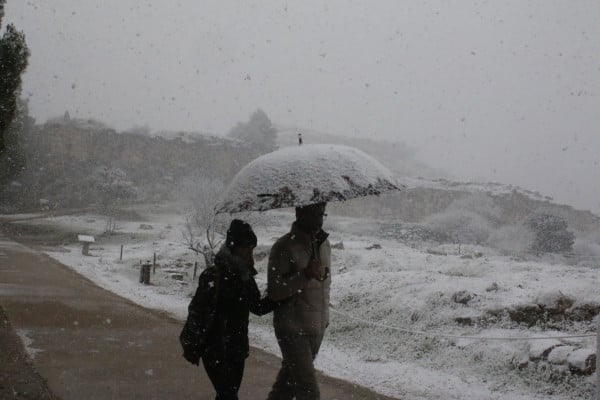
(240, 234)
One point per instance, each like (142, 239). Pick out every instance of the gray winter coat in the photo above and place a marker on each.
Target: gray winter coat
(304, 303)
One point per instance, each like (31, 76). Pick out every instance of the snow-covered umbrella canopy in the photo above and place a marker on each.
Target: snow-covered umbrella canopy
(302, 175)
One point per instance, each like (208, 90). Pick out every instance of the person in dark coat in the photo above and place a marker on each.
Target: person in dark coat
(230, 291)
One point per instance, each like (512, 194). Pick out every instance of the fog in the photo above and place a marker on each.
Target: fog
(503, 91)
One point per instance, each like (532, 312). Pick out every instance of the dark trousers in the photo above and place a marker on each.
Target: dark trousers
(297, 377)
(225, 373)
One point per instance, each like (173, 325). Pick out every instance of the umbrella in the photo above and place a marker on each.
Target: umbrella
(302, 175)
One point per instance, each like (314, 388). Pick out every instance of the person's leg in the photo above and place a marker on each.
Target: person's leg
(213, 369)
(225, 376)
(298, 352)
(235, 372)
(283, 388)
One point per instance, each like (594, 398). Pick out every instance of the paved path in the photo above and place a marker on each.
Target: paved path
(93, 344)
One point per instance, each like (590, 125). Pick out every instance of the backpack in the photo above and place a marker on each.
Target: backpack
(202, 314)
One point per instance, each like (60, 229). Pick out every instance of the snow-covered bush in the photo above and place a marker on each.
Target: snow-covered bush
(588, 246)
(551, 234)
(481, 204)
(467, 220)
(461, 225)
(511, 239)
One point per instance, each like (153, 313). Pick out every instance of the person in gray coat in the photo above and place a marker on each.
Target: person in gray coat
(299, 280)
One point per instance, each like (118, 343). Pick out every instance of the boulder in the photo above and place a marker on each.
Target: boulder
(539, 349)
(492, 288)
(582, 361)
(559, 354)
(463, 297)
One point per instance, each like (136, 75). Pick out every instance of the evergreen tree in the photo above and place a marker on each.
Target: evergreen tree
(13, 61)
(258, 130)
(13, 159)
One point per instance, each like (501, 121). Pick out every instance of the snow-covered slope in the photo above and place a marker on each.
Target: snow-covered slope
(391, 285)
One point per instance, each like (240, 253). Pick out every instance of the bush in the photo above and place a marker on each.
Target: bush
(469, 219)
(512, 239)
(460, 225)
(551, 234)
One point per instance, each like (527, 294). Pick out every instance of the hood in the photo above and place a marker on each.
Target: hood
(232, 265)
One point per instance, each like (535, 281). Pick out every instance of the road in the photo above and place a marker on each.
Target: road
(92, 344)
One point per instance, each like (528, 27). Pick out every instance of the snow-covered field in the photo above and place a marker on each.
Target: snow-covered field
(397, 286)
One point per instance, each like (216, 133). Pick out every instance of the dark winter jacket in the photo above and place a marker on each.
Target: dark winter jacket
(231, 288)
(304, 303)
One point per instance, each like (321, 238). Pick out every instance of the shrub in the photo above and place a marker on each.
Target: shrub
(551, 234)
(461, 225)
(512, 239)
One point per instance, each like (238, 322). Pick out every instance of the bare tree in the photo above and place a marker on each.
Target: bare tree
(112, 187)
(204, 229)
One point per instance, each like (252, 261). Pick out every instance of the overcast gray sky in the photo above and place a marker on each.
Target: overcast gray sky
(495, 90)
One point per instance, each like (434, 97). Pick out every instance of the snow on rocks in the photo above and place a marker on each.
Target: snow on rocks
(559, 354)
(541, 348)
(582, 361)
(463, 297)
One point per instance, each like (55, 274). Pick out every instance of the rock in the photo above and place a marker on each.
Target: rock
(374, 246)
(539, 349)
(463, 297)
(520, 361)
(436, 252)
(338, 246)
(492, 288)
(467, 256)
(582, 361)
(177, 277)
(146, 227)
(559, 354)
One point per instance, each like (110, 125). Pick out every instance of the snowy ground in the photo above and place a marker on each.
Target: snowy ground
(400, 285)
